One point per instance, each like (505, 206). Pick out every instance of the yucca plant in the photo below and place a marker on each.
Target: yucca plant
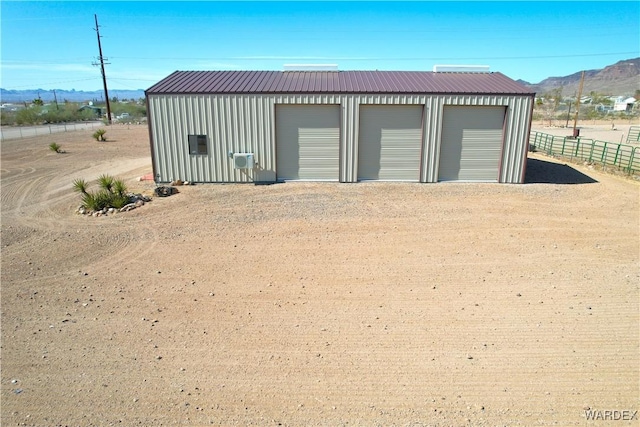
(105, 182)
(103, 199)
(80, 185)
(119, 201)
(119, 187)
(112, 193)
(55, 147)
(89, 201)
(99, 135)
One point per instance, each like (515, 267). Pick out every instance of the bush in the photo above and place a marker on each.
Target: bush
(55, 147)
(99, 135)
(112, 193)
(8, 118)
(29, 116)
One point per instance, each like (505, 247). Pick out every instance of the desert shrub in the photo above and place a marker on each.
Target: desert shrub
(99, 135)
(118, 201)
(105, 182)
(7, 117)
(28, 116)
(112, 193)
(119, 187)
(80, 185)
(55, 147)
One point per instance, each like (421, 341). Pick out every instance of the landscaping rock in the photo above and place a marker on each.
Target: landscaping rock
(165, 191)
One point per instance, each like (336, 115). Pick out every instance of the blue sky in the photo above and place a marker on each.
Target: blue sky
(52, 44)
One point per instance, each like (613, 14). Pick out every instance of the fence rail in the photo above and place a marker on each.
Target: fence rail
(634, 134)
(19, 132)
(623, 156)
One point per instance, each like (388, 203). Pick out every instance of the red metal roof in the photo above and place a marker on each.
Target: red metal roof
(217, 82)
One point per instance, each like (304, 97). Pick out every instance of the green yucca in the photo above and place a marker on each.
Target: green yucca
(112, 193)
(118, 201)
(89, 201)
(99, 135)
(80, 185)
(105, 182)
(119, 188)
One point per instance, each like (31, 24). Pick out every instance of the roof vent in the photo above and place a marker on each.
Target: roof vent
(460, 68)
(310, 67)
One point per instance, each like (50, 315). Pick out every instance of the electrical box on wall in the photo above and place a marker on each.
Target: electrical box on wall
(243, 161)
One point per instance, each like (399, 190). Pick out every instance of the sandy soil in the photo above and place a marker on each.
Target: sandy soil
(314, 303)
(611, 131)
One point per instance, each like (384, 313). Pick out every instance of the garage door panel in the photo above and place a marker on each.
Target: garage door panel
(471, 144)
(307, 142)
(390, 142)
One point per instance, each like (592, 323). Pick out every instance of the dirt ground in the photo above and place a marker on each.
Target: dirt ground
(611, 131)
(305, 304)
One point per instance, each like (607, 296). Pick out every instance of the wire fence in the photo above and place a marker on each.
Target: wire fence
(19, 132)
(625, 157)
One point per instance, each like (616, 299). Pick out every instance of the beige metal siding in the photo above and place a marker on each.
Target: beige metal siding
(390, 142)
(233, 124)
(307, 142)
(516, 147)
(239, 123)
(471, 147)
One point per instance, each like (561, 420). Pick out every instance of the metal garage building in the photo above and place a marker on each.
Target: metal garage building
(347, 126)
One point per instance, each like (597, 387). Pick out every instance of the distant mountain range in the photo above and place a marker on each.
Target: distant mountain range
(619, 79)
(19, 96)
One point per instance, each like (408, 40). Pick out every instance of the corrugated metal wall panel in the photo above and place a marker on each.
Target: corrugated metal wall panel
(348, 146)
(517, 131)
(233, 124)
(236, 123)
(432, 134)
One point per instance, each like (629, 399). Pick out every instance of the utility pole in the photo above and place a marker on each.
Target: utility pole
(104, 78)
(55, 98)
(575, 120)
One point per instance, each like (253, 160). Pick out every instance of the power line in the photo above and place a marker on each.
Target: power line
(346, 58)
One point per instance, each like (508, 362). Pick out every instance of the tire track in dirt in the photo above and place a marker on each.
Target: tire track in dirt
(40, 199)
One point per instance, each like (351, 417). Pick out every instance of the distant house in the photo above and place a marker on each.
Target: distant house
(11, 107)
(624, 104)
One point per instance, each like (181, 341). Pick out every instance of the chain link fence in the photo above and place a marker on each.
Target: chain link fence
(625, 157)
(18, 132)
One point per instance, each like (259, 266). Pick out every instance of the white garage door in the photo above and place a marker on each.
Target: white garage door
(389, 142)
(308, 142)
(471, 145)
